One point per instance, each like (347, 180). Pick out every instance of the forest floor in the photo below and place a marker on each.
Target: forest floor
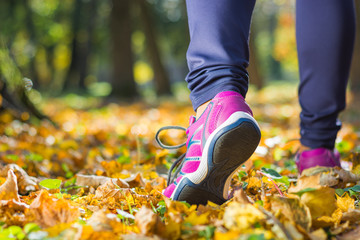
(99, 175)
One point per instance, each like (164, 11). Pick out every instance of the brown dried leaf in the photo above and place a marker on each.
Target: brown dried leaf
(13, 205)
(241, 197)
(109, 189)
(291, 209)
(135, 181)
(292, 230)
(48, 211)
(95, 181)
(148, 222)
(25, 183)
(90, 180)
(306, 182)
(352, 215)
(354, 234)
(100, 220)
(9, 190)
(340, 228)
(332, 177)
(319, 234)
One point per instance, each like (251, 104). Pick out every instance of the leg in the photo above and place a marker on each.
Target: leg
(218, 53)
(226, 134)
(325, 38)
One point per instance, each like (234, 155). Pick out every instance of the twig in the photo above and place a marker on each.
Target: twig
(276, 186)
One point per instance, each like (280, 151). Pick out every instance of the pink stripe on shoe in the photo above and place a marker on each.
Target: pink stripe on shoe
(169, 190)
(179, 178)
(190, 166)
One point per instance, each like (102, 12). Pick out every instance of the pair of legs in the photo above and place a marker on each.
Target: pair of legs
(218, 56)
(224, 134)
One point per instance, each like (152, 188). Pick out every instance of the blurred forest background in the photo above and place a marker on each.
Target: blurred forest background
(125, 49)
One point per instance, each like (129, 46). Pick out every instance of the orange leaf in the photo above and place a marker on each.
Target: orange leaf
(9, 190)
(49, 211)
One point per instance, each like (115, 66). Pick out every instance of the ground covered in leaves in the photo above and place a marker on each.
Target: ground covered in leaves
(99, 175)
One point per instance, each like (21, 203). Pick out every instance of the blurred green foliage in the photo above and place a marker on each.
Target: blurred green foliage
(37, 40)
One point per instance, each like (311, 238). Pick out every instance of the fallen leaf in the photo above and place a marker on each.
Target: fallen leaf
(352, 235)
(135, 181)
(352, 215)
(9, 190)
(197, 219)
(226, 235)
(320, 202)
(48, 211)
(95, 181)
(25, 183)
(345, 203)
(292, 230)
(13, 205)
(291, 209)
(306, 182)
(254, 185)
(340, 228)
(100, 220)
(148, 222)
(319, 234)
(110, 189)
(240, 217)
(327, 221)
(240, 196)
(332, 177)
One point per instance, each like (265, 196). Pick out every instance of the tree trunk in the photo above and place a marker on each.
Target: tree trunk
(73, 72)
(15, 97)
(161, 80)
(32, 34)
(88, 44)
(18, 102)
(355, 69)
(123, 84)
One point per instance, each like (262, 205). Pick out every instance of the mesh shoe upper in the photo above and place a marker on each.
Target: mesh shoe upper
(217, 112)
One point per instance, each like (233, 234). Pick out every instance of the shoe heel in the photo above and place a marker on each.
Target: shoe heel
(194, 195)
(231, 150)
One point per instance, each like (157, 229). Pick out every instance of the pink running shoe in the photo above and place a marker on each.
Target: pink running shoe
(321, 157)
(218, 143)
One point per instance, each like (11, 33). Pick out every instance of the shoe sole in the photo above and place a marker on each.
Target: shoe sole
(226, 149)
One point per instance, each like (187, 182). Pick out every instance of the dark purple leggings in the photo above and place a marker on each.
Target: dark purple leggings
(218, 55)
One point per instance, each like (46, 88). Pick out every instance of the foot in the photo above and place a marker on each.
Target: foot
(218, 143)
(322, 157)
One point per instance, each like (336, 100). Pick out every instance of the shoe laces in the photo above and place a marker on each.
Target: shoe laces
(178, 162)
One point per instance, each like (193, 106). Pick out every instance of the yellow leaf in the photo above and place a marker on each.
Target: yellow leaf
(291, 209)
(241, 217)
(172, 230)
(57, 229)
(345, 203)
(196, 219)
(306, 182)
(254, 183)
(326, 221)
(227, 235)
(320, 202)
(319, 234)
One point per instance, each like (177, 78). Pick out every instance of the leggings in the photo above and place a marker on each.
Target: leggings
(218, 56)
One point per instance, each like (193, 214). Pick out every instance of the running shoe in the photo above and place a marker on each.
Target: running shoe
(321, 157)
(218, 143)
